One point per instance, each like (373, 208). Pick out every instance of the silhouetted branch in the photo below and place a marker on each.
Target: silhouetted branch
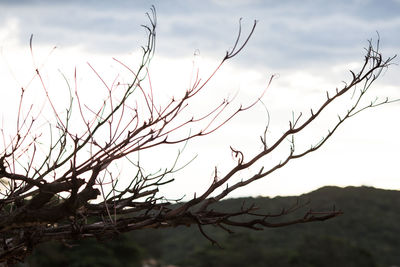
(67, 188)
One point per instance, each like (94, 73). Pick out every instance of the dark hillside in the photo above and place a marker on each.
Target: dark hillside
(367, 234)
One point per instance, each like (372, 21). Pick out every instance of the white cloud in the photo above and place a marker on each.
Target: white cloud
(310, 47)
(9, 31)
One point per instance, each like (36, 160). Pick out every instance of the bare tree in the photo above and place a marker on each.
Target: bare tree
(60, 186)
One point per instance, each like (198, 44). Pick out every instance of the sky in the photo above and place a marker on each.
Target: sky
(308, 45)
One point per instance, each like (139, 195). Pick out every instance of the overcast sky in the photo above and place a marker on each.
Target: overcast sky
(309, 44)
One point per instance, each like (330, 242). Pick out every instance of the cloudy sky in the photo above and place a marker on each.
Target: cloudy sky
(309, 45)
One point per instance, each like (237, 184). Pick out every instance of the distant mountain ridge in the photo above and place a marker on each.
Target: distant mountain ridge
(368, 229)
(367, 234)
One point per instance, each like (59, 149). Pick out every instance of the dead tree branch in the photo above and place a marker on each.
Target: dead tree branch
(66, 188)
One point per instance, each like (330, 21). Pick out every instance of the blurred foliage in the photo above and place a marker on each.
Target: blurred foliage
(367, 234)
(119, 251)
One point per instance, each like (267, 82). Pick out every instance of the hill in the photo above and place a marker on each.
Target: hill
(367, 234)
